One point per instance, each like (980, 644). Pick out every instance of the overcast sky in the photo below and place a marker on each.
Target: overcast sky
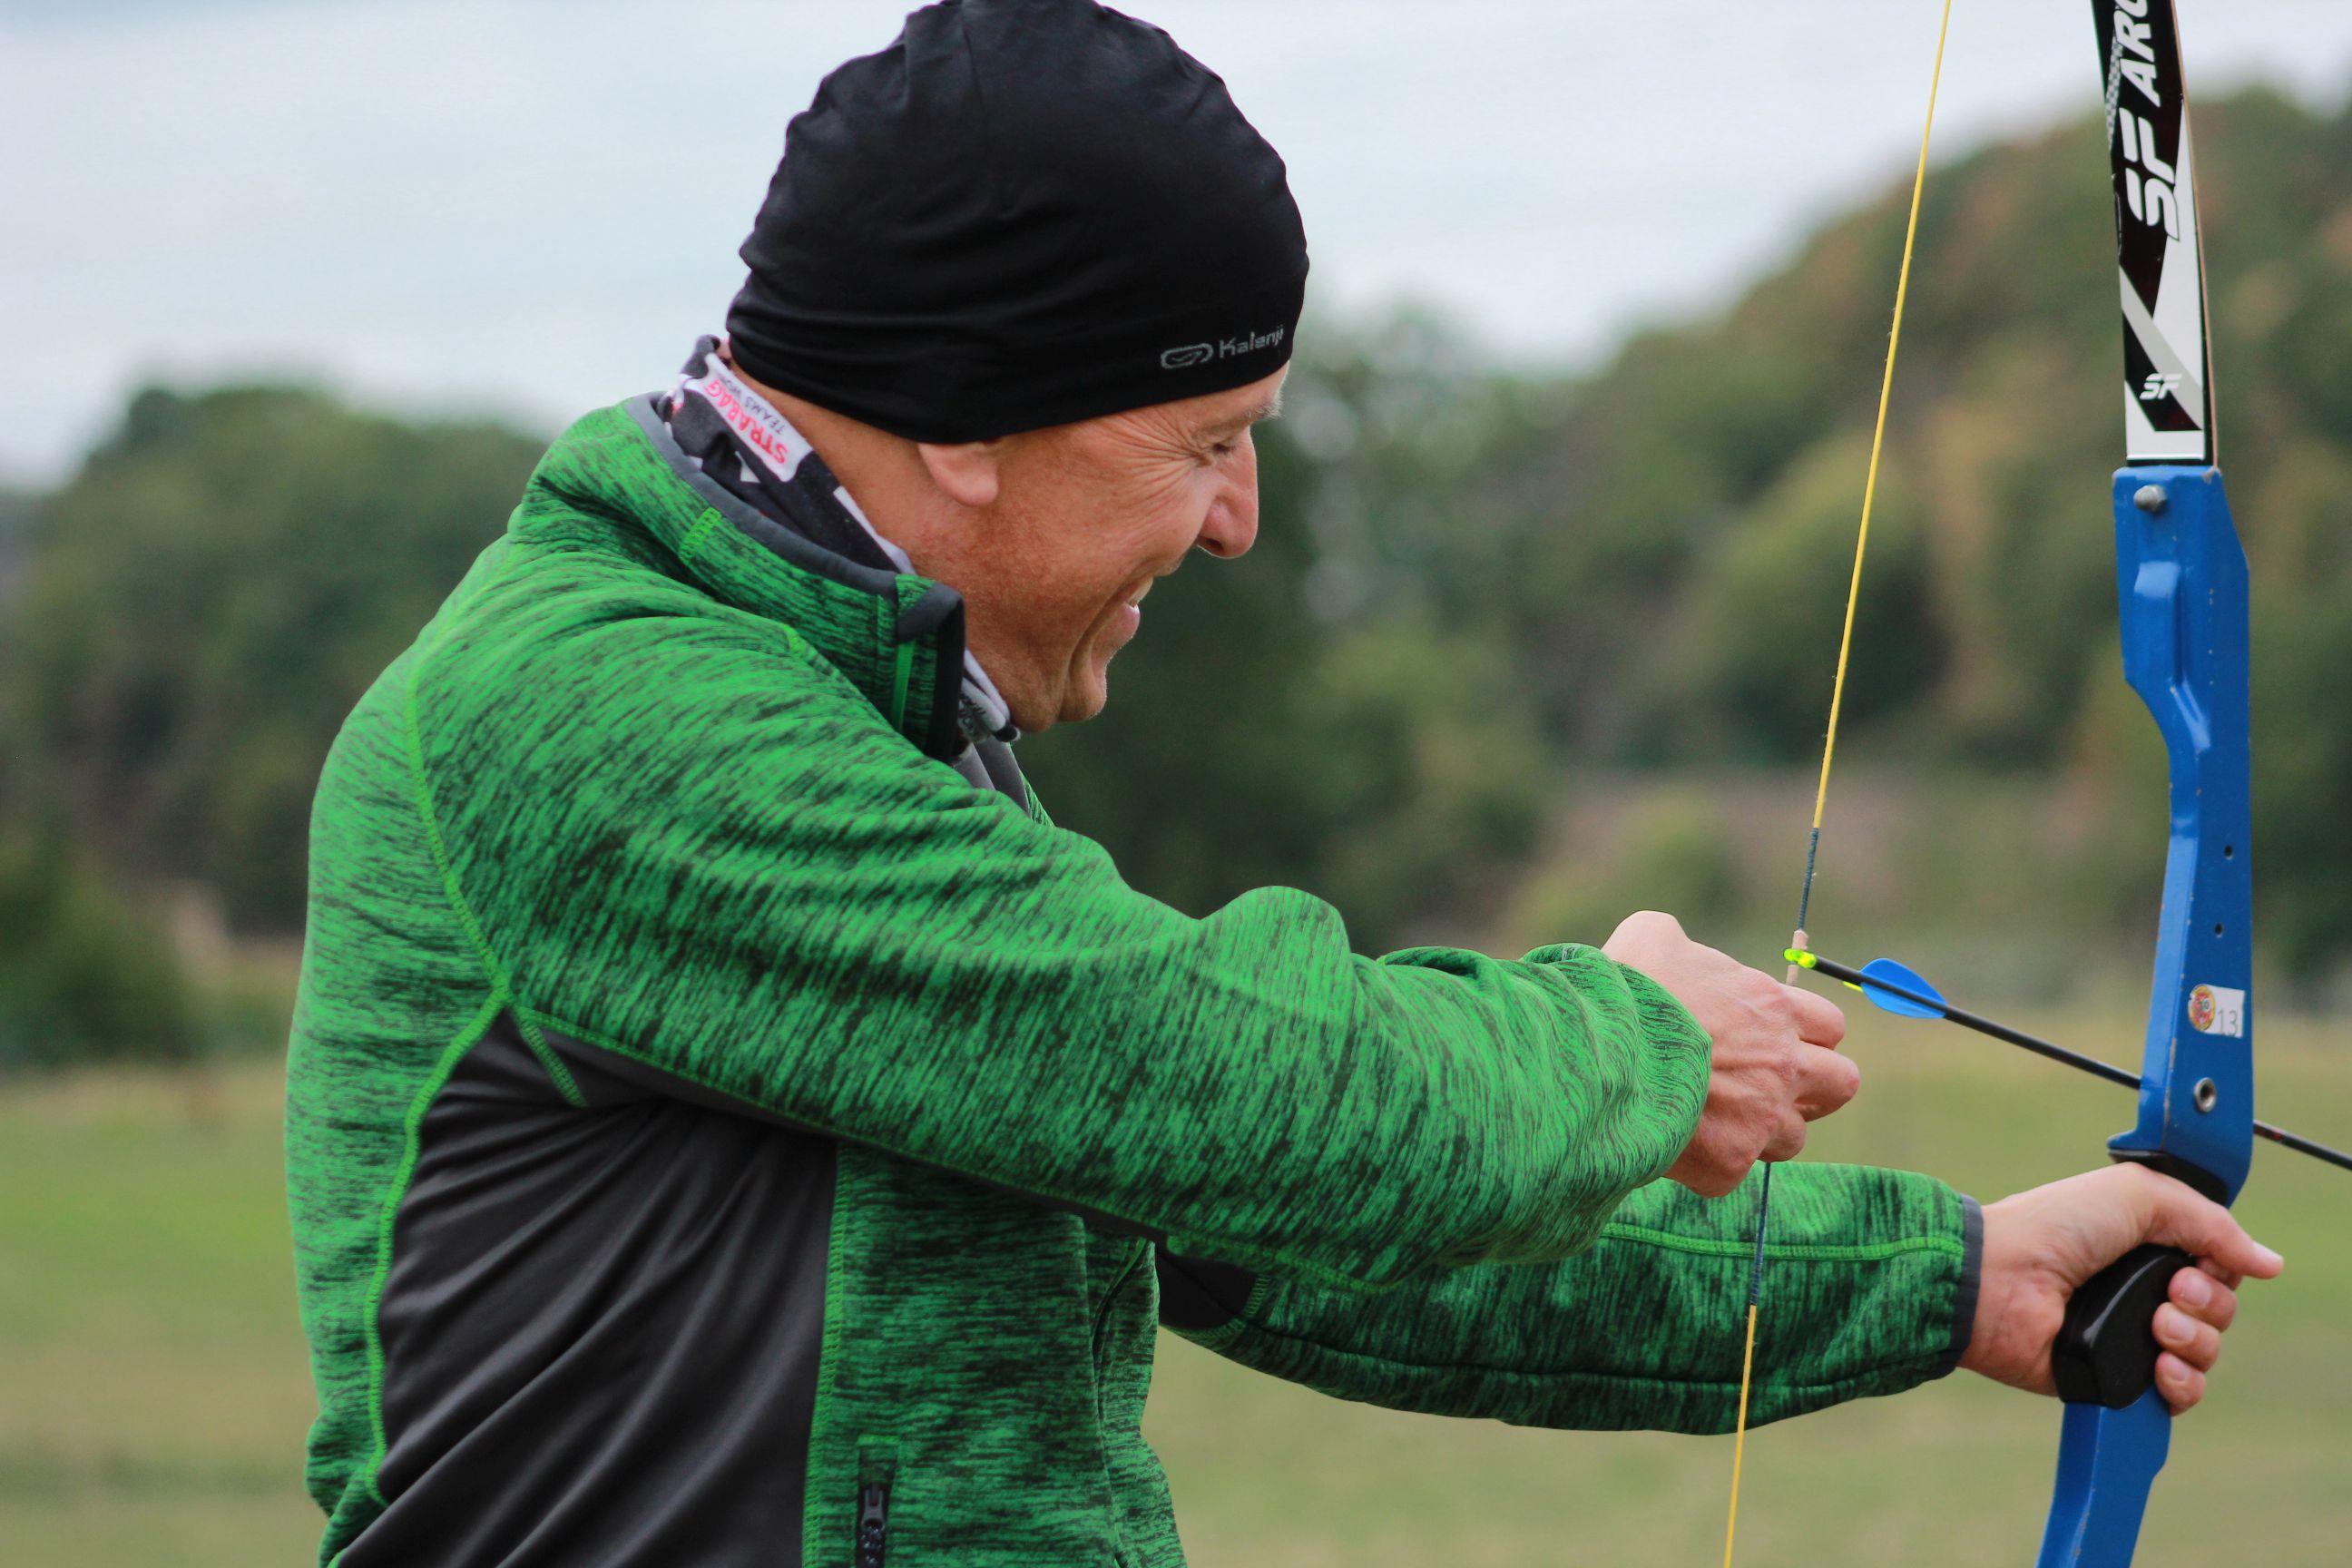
(531, 207)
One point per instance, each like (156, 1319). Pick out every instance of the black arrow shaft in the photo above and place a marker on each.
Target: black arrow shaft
(2301, 1145)
(2056, 1053)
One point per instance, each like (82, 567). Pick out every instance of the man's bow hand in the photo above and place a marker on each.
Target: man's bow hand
(2042, 1245)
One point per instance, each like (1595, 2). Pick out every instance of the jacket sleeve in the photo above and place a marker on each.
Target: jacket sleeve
(698, 851)
(1869, 1288)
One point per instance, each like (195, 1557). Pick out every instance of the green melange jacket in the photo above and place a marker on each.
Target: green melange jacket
(720, 1133)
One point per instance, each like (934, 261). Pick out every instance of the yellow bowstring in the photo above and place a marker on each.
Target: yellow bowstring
(1837, 708)
(1740, 1439)
(1878, 433)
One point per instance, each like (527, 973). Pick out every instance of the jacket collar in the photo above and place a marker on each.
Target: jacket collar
(896, 636)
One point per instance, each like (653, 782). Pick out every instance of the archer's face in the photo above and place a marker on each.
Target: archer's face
(1087, 518)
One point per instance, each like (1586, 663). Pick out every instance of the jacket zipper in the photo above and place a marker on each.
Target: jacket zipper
(873, 1523)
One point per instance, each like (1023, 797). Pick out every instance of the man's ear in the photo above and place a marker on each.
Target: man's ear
(966, 472)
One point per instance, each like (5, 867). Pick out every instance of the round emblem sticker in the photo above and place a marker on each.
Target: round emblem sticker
(2201, 1009)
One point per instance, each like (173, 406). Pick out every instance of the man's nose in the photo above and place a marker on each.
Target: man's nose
(1230, 527)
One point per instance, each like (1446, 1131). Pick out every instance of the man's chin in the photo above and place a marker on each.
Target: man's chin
(1073, 708)
(1085, 695)
(1086, 687)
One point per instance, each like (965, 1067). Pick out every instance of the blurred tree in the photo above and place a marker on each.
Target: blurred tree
(15, 521)
(1673, 850)
(205, 599)
(84, 974)
(1730, 680)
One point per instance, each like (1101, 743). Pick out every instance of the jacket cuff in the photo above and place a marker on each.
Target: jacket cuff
(1964, 1298)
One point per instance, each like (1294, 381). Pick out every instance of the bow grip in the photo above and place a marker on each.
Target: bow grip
(2105, 1351)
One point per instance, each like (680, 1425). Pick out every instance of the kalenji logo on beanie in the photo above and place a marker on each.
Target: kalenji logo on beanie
(1191, 355)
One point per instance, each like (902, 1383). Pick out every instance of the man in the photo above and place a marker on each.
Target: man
(728, 1123)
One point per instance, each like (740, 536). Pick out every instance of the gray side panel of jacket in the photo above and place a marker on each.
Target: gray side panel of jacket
(602, 1326)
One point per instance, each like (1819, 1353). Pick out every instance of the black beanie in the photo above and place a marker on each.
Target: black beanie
(1022, 213)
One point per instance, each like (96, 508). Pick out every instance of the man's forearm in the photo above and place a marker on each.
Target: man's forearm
(1869, 1287)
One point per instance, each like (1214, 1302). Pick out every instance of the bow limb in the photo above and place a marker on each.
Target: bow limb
(2182, 584)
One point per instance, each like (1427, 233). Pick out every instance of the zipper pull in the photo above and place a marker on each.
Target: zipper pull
(872, 1518)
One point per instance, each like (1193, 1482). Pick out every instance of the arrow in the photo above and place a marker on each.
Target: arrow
(1899, 989)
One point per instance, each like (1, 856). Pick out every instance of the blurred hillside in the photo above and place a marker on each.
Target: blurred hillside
(1513, 656)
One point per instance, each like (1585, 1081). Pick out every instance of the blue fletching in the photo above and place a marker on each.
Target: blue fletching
(1893, 974)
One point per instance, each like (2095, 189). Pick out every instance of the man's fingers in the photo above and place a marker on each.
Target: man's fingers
(1706, 1181)
(1708, 1169)
(2199, 1344)
(2205, 1229)
(1788, 1139)
(2181, 1385)
(1819, 1020)
(2228, 1277)
(2204, 1297)
(1826, 1080)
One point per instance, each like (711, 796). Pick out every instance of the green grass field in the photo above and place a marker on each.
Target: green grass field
(154, 1391)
